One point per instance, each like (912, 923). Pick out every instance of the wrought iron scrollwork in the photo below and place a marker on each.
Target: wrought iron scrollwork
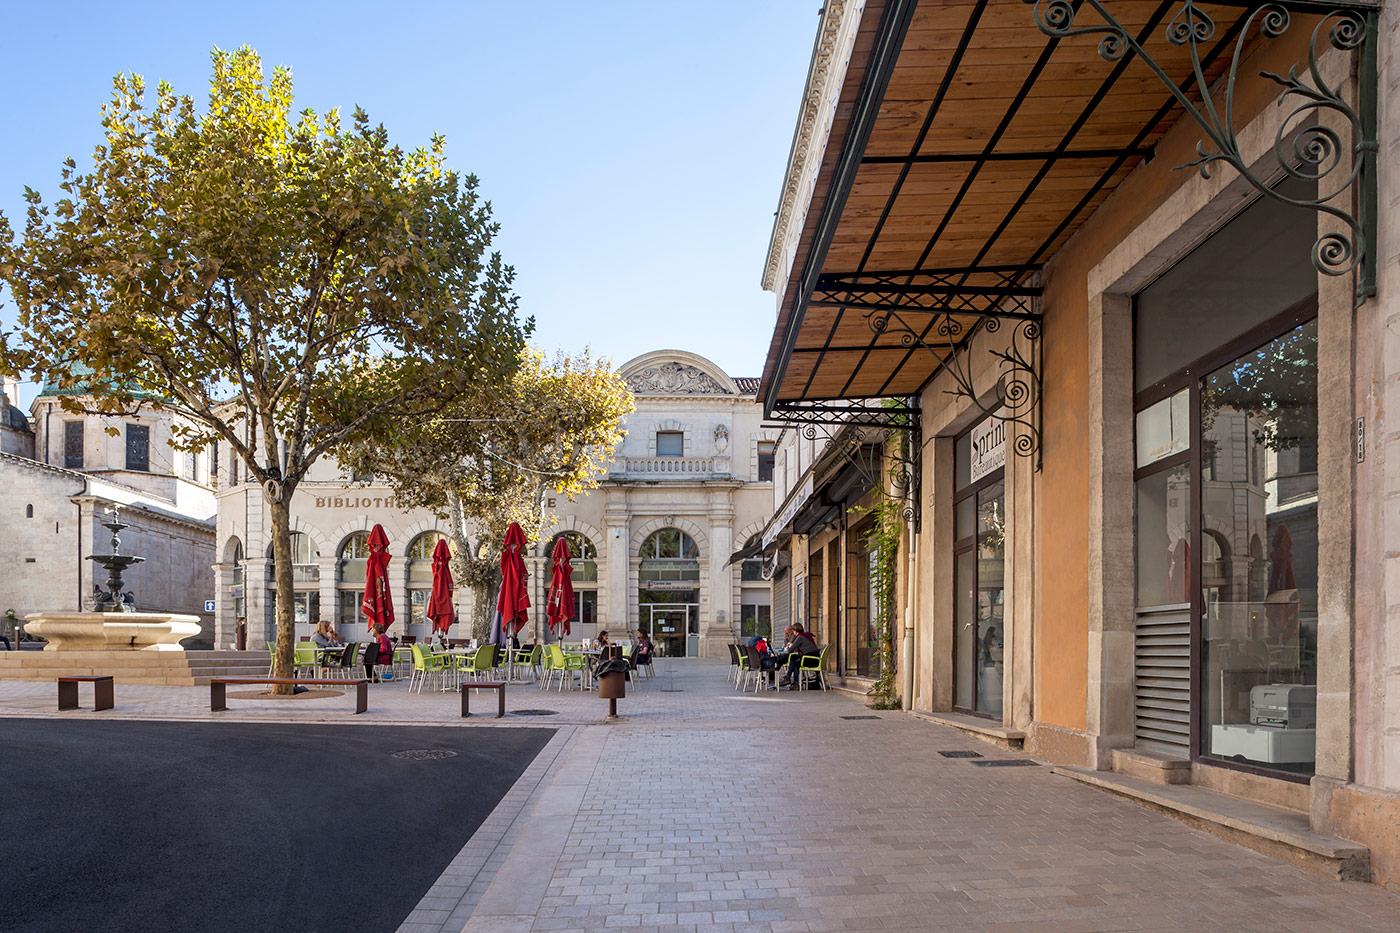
(1305, 146)
(1016, 397)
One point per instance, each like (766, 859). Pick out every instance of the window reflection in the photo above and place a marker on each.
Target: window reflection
(1259, 554)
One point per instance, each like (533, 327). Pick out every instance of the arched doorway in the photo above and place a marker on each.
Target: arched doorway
(668, 593)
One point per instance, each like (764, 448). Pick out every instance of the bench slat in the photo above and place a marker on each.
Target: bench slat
(283, 680)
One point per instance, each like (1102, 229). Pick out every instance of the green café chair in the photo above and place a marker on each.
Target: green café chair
(304, 658)
(481, 662)
(425, 666)
(810, 663)
(530, 658)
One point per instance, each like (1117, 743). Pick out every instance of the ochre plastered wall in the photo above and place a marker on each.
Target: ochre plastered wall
(1061, 649)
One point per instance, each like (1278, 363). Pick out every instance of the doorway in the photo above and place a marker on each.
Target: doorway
(669, 624)
(979, 573)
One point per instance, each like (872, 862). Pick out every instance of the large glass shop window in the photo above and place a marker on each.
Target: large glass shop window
(1259, 554)
(1226, 497)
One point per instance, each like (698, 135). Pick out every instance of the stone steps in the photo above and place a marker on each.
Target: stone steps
(1275, 831)
(161, 668)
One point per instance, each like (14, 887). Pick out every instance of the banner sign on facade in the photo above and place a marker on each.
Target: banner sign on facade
(988, 447)
(785, 517)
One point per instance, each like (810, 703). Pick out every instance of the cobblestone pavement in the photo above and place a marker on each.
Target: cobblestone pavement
(706, 810)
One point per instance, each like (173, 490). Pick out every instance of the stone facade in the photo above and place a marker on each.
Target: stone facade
(53, 515)
(1084, 673)
(708, 488)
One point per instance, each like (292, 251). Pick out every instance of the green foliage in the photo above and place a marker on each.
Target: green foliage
(285, 281)
(490, 458)
(882, 540)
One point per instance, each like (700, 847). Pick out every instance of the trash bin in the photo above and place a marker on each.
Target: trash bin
(612, 681)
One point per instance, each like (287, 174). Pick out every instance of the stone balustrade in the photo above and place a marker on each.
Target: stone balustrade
(663, 467)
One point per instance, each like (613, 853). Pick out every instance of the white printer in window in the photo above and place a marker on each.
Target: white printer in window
(1289, 706)
(1282, 727)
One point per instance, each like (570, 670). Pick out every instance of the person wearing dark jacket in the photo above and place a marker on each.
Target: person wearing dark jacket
(802, 643)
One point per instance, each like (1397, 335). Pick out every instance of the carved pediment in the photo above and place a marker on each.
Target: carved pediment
(675, 378)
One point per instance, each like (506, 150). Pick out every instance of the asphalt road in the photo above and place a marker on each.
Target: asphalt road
(210, 827)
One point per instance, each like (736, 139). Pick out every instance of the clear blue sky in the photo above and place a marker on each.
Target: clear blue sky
(633, 152)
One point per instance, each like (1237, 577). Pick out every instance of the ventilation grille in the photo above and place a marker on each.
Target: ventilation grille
(1162, 690)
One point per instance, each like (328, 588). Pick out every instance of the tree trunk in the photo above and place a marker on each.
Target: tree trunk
(282, 571)
(484, 610)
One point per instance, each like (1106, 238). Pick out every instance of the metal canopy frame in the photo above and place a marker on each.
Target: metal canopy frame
(1307, 146)
(944, 311)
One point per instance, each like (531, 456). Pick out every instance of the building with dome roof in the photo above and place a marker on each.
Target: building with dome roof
(690, 484)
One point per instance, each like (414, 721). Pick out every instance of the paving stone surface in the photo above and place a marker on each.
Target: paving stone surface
(708, 810)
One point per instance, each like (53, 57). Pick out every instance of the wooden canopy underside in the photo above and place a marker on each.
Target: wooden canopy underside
(992, 143)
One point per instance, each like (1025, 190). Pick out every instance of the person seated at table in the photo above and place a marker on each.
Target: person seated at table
(378, 651)
(643, 653)
(601, 641)
(766, 659)
(802, 644)
(325, 636)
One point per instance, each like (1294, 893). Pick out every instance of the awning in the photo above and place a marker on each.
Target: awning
(971, 139)
(744, 553)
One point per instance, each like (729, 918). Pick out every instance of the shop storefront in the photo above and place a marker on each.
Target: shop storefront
(979, 570)
(1226, 499)
(1159, 289)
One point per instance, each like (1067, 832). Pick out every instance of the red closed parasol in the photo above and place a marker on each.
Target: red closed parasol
(514, 602)
(560, 607)
(440, 611)
(377, 606)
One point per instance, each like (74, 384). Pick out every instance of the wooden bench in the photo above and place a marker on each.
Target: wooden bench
(218, 695)
(102, 692)
(469, 685)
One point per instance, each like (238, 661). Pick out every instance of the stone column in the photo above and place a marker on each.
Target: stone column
(933, 687)
(326, 590)
(1109, 702)
(715, 631)
(1336, 504)
(615, 611)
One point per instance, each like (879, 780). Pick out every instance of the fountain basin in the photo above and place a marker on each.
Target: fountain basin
(112, 631)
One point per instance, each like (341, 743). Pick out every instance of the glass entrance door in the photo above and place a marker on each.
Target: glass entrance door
(668, 627)
(980, 607)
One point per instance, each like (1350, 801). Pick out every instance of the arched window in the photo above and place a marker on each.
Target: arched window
(420, 580)
(583, 558)
(353, 553)
(351, 568)
(304, 557)
(29, 511)
(670, 544)
(306, 601)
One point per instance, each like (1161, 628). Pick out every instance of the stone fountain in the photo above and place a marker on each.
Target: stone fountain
(114, 624)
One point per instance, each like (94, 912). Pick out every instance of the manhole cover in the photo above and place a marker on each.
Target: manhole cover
(960, 754)
(534, 712)
(425, 754)
(1005, 763)
(860, 717)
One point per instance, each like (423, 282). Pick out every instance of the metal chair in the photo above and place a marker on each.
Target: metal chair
(812, 663)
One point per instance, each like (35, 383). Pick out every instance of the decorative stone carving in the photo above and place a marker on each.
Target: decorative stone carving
(823, 86)
(675, 378)
(721, 438)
